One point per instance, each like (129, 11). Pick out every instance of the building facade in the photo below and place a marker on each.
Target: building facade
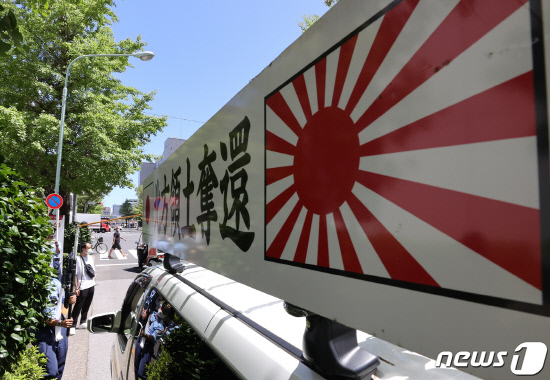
(170, 146)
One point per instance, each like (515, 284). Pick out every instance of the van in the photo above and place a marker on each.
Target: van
(247, 334)
(389, 170)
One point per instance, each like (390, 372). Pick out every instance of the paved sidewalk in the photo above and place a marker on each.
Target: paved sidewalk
(77, 357)
(89, 354)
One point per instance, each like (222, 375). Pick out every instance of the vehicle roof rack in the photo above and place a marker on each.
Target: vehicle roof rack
(173, 264)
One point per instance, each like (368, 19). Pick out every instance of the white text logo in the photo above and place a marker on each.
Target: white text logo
(528, 359)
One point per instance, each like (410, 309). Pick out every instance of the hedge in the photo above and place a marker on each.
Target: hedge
(185, 356)
(25, 270)
(30, 365)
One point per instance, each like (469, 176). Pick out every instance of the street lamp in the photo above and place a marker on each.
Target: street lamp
(143, 55)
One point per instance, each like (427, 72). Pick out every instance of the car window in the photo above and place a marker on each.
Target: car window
(168, 344)
(131, 301)
(133, 295)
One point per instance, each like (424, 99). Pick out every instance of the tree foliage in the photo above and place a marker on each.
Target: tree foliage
(138, 209)
(9, 32)
(105, 126)
(10, 36)
(87, 204)
(25, 266)
(84, 236)
(30, 365)
(308, 20)
(126, 208)
(185, 356)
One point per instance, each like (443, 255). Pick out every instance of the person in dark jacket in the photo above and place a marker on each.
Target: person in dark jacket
(51, 338)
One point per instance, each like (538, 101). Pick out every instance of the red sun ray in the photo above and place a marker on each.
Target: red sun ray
(504, 233)
(276, 174)
(349, 255)
(320, 80)
(399, 263)
(473, 18)
(273, 207)
(276, 248)
(301, 250)
(278, 105)
(391, 27)
(510, 106)
(346, 52)
(276, 144)
(301, 90)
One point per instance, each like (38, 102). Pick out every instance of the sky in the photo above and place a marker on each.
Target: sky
(205, 53)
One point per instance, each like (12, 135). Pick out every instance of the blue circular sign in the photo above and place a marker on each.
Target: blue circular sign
(54, 201)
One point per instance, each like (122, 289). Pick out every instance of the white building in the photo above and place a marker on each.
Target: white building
(116, 211)
(133, 202)
(146, 170)
(170, 146)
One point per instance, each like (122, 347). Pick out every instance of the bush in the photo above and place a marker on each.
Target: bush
(25, 270)
(185, 356)
(29, 366)
(85, 235)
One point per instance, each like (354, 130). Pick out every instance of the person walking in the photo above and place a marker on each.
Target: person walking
(51, 338)
(84, 285)
(116, 242)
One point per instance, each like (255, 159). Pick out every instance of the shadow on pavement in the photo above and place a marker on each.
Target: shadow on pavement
(133, 269)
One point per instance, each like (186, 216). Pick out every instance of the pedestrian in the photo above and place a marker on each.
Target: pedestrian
(116, 242)
(51, 338)
(84, 285)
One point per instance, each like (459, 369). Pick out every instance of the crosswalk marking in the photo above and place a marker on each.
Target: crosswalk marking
(117, 255)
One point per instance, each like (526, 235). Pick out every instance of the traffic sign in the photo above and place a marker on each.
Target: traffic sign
(54, 201)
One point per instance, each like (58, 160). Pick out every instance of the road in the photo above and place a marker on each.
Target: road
(89, 354)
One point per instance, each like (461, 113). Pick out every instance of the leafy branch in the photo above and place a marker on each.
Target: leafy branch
(308, 20)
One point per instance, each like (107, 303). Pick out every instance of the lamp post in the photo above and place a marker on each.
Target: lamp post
(143, 55)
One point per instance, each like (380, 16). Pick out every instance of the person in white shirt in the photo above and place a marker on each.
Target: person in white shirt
(85, 285)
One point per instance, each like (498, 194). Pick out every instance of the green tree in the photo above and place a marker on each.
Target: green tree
(25, 266)
(138, 209)
(95, 209)
(9, 32)
(84, 236)
(105, 127)
(126, 208)
(87, 204)
(10, 36)
(308, 20)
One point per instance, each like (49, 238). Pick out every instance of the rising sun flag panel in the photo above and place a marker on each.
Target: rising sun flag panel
(356, 126)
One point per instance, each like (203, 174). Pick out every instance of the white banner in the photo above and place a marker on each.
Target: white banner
(385, 171)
